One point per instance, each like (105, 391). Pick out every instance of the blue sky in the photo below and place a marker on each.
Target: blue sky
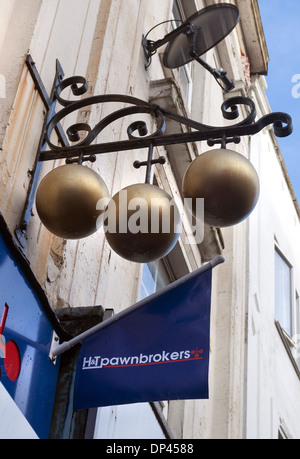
(281, 22)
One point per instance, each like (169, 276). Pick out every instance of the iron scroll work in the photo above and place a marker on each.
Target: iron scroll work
(87, 144)
(282, 124)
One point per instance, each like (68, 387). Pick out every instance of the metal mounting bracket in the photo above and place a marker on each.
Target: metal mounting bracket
(54, 345)
(86, 149)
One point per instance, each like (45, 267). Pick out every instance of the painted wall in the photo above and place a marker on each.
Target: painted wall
(273, 387)
(100, 39)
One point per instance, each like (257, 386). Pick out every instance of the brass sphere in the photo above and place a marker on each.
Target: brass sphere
(227, 182)
(143, 223)
(66, 201)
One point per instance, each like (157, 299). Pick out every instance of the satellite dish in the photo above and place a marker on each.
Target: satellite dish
(206, 29)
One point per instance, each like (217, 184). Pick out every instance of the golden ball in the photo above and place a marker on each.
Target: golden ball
(227, 182)
(66, 201)
(142, 223)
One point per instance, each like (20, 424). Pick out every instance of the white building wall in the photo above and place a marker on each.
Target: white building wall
(273, 385)
(250, 371)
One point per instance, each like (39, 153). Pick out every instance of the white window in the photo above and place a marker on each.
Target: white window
(155, 277)
(136, 421)
(184, 72)
(296, 337)
(283, 293)
(297, 315)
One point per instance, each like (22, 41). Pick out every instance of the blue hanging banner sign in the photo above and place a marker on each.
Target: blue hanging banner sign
(156, 350)
(27, 323)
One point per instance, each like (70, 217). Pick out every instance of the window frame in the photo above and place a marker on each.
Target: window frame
(153, 268)
(185, 70)
(278, 317)
(290, 340)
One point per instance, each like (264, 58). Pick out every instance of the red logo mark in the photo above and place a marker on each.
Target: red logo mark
(197, 353)
(9, 351)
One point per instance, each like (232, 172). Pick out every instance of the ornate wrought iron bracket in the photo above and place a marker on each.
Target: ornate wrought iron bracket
(49, 103)
(196, 131)
(86, 140)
